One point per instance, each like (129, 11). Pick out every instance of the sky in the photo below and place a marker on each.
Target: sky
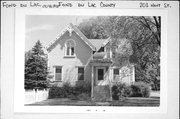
(47, 27)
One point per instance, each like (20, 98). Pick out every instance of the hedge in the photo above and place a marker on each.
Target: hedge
(138, 89)
(81, 89)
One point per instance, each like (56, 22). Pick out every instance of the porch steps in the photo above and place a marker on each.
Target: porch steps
(101, 94)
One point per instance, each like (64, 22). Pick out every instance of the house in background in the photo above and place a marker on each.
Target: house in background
(72, 57)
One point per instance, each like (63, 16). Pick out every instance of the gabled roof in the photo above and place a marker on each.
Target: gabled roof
(70, 28)
(101, 61)
(98, 43)
(94, 44)
(83, 37)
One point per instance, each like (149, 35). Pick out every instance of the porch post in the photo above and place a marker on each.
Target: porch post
(92, 82)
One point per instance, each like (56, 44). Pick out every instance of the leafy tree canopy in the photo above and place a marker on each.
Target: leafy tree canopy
(142, 44)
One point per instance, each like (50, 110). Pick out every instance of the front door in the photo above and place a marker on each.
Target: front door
(100, 75)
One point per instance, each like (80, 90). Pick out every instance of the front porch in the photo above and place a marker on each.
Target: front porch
(104, 75)
(101, 74)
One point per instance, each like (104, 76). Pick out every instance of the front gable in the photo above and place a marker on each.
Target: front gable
(69, 32)
(81, 50)
(69, 64)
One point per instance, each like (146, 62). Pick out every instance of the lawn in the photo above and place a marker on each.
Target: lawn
(135, 101)
(153, 100)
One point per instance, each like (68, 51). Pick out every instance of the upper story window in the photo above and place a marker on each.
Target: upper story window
(69, 48)
(101, 49)
(108, 52)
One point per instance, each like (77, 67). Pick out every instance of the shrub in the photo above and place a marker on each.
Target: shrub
(156, 85)
(81, 90)
(60, 92)
(127, 91)
(83, 96)
(54, 92)
(120, 90)
(67, 88)
(82, 87)
(115, 92)
(140, 89)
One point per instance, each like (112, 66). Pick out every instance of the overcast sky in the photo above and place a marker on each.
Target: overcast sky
(47, 27)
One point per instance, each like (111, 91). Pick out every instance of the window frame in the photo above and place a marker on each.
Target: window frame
(110, 54)
(116, 75)
(78, 73)
(98, 74)
(55, 67)
(104, 70)
(69, 54)
(114, 71)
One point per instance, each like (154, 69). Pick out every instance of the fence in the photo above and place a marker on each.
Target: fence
(32, 96)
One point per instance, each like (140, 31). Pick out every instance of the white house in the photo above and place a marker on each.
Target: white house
(73, 57)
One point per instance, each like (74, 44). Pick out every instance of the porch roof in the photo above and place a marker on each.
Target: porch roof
(95, 61)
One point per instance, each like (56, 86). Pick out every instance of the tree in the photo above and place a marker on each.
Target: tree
(144, 35)
(123, 52)
(36, 70)
(93, 28)
(147, 48)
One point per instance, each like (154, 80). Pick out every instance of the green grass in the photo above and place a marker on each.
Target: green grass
(128, 102)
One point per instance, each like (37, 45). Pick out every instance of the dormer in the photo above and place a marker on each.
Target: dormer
(108, 52)
(103, 48)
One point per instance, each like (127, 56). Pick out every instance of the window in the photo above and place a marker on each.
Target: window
(108, 52)
(116, 71)
(69, 48)
(116, 74)
(80, 73)
(58, 73)
(100, 74)
(101, 49)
